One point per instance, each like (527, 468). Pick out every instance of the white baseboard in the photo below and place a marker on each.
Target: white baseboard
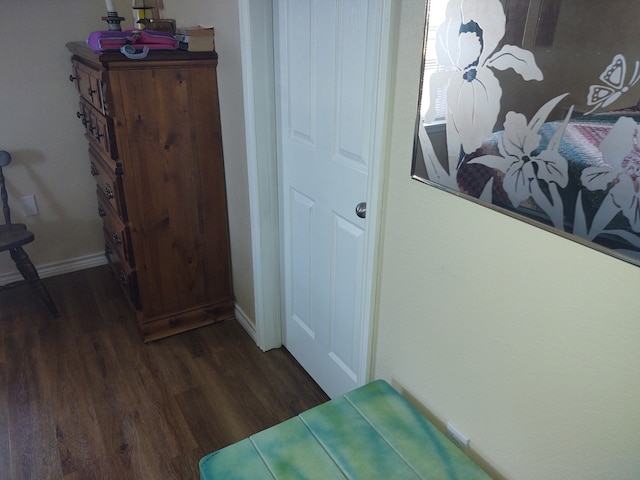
(94, 260)
(244, 321)
(58, 268)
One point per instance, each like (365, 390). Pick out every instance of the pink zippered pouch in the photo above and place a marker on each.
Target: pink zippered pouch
(114, 40)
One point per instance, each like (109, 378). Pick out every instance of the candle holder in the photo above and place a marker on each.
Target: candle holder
(113, 21)
(143, 12)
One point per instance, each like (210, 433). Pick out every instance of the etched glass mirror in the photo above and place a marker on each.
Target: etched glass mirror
(532, 107)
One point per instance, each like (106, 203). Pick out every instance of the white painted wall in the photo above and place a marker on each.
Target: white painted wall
(39, 128)
(525, 341)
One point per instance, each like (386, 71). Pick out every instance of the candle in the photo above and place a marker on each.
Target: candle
(110, 7)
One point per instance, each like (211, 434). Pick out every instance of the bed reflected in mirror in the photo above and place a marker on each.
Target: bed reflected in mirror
(532, 107)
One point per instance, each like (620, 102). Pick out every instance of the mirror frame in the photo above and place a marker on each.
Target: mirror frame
(564, 113)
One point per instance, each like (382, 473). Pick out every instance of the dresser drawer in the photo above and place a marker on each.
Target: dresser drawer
(89, 83)
(127, 277)
(98, 129)
(111, 164)
(109, 183)
(119, 234)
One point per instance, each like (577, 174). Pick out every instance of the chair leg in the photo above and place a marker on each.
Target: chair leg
(30, 274)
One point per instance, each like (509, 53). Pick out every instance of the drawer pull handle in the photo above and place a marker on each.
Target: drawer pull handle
(107, 249)
(108, 192)
(116, 238)
(94, 170)
(101, 211)
(97, 135)
(72, 78)
(123, 278)
(91, 91)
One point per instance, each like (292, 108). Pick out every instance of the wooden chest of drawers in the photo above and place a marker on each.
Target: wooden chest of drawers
(155, 152)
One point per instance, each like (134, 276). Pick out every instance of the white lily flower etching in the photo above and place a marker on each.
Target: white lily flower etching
(527, 168)
(619, 177)
(467, 46)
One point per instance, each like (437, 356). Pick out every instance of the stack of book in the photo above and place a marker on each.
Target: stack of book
(196, 39)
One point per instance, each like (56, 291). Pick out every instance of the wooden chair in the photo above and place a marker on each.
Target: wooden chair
(12, 237)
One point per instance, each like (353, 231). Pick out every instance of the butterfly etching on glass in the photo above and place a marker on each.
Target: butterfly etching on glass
(614, 78)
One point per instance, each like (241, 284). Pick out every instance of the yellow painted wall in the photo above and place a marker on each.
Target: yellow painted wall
(527, 342)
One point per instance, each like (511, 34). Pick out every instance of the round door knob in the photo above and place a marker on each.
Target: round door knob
(361, 209)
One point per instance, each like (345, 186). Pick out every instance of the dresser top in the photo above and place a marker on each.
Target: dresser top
(83, 50)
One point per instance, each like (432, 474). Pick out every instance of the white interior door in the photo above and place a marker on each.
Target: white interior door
(327, 61)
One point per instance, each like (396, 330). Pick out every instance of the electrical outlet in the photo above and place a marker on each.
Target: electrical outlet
(457, 437)
(29, 205)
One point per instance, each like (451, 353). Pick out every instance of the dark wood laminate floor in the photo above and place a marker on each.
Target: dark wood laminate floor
(81, 397)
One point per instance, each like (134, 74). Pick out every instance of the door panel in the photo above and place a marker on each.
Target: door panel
(301, 221)
(346, 282)
(326, 102)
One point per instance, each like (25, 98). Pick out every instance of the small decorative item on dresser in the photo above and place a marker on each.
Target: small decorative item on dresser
(196, 39)
(143, 10)
(112, 18)
(113, 21)
(167, 25)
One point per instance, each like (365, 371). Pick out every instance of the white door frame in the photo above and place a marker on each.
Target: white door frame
(257, 46)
